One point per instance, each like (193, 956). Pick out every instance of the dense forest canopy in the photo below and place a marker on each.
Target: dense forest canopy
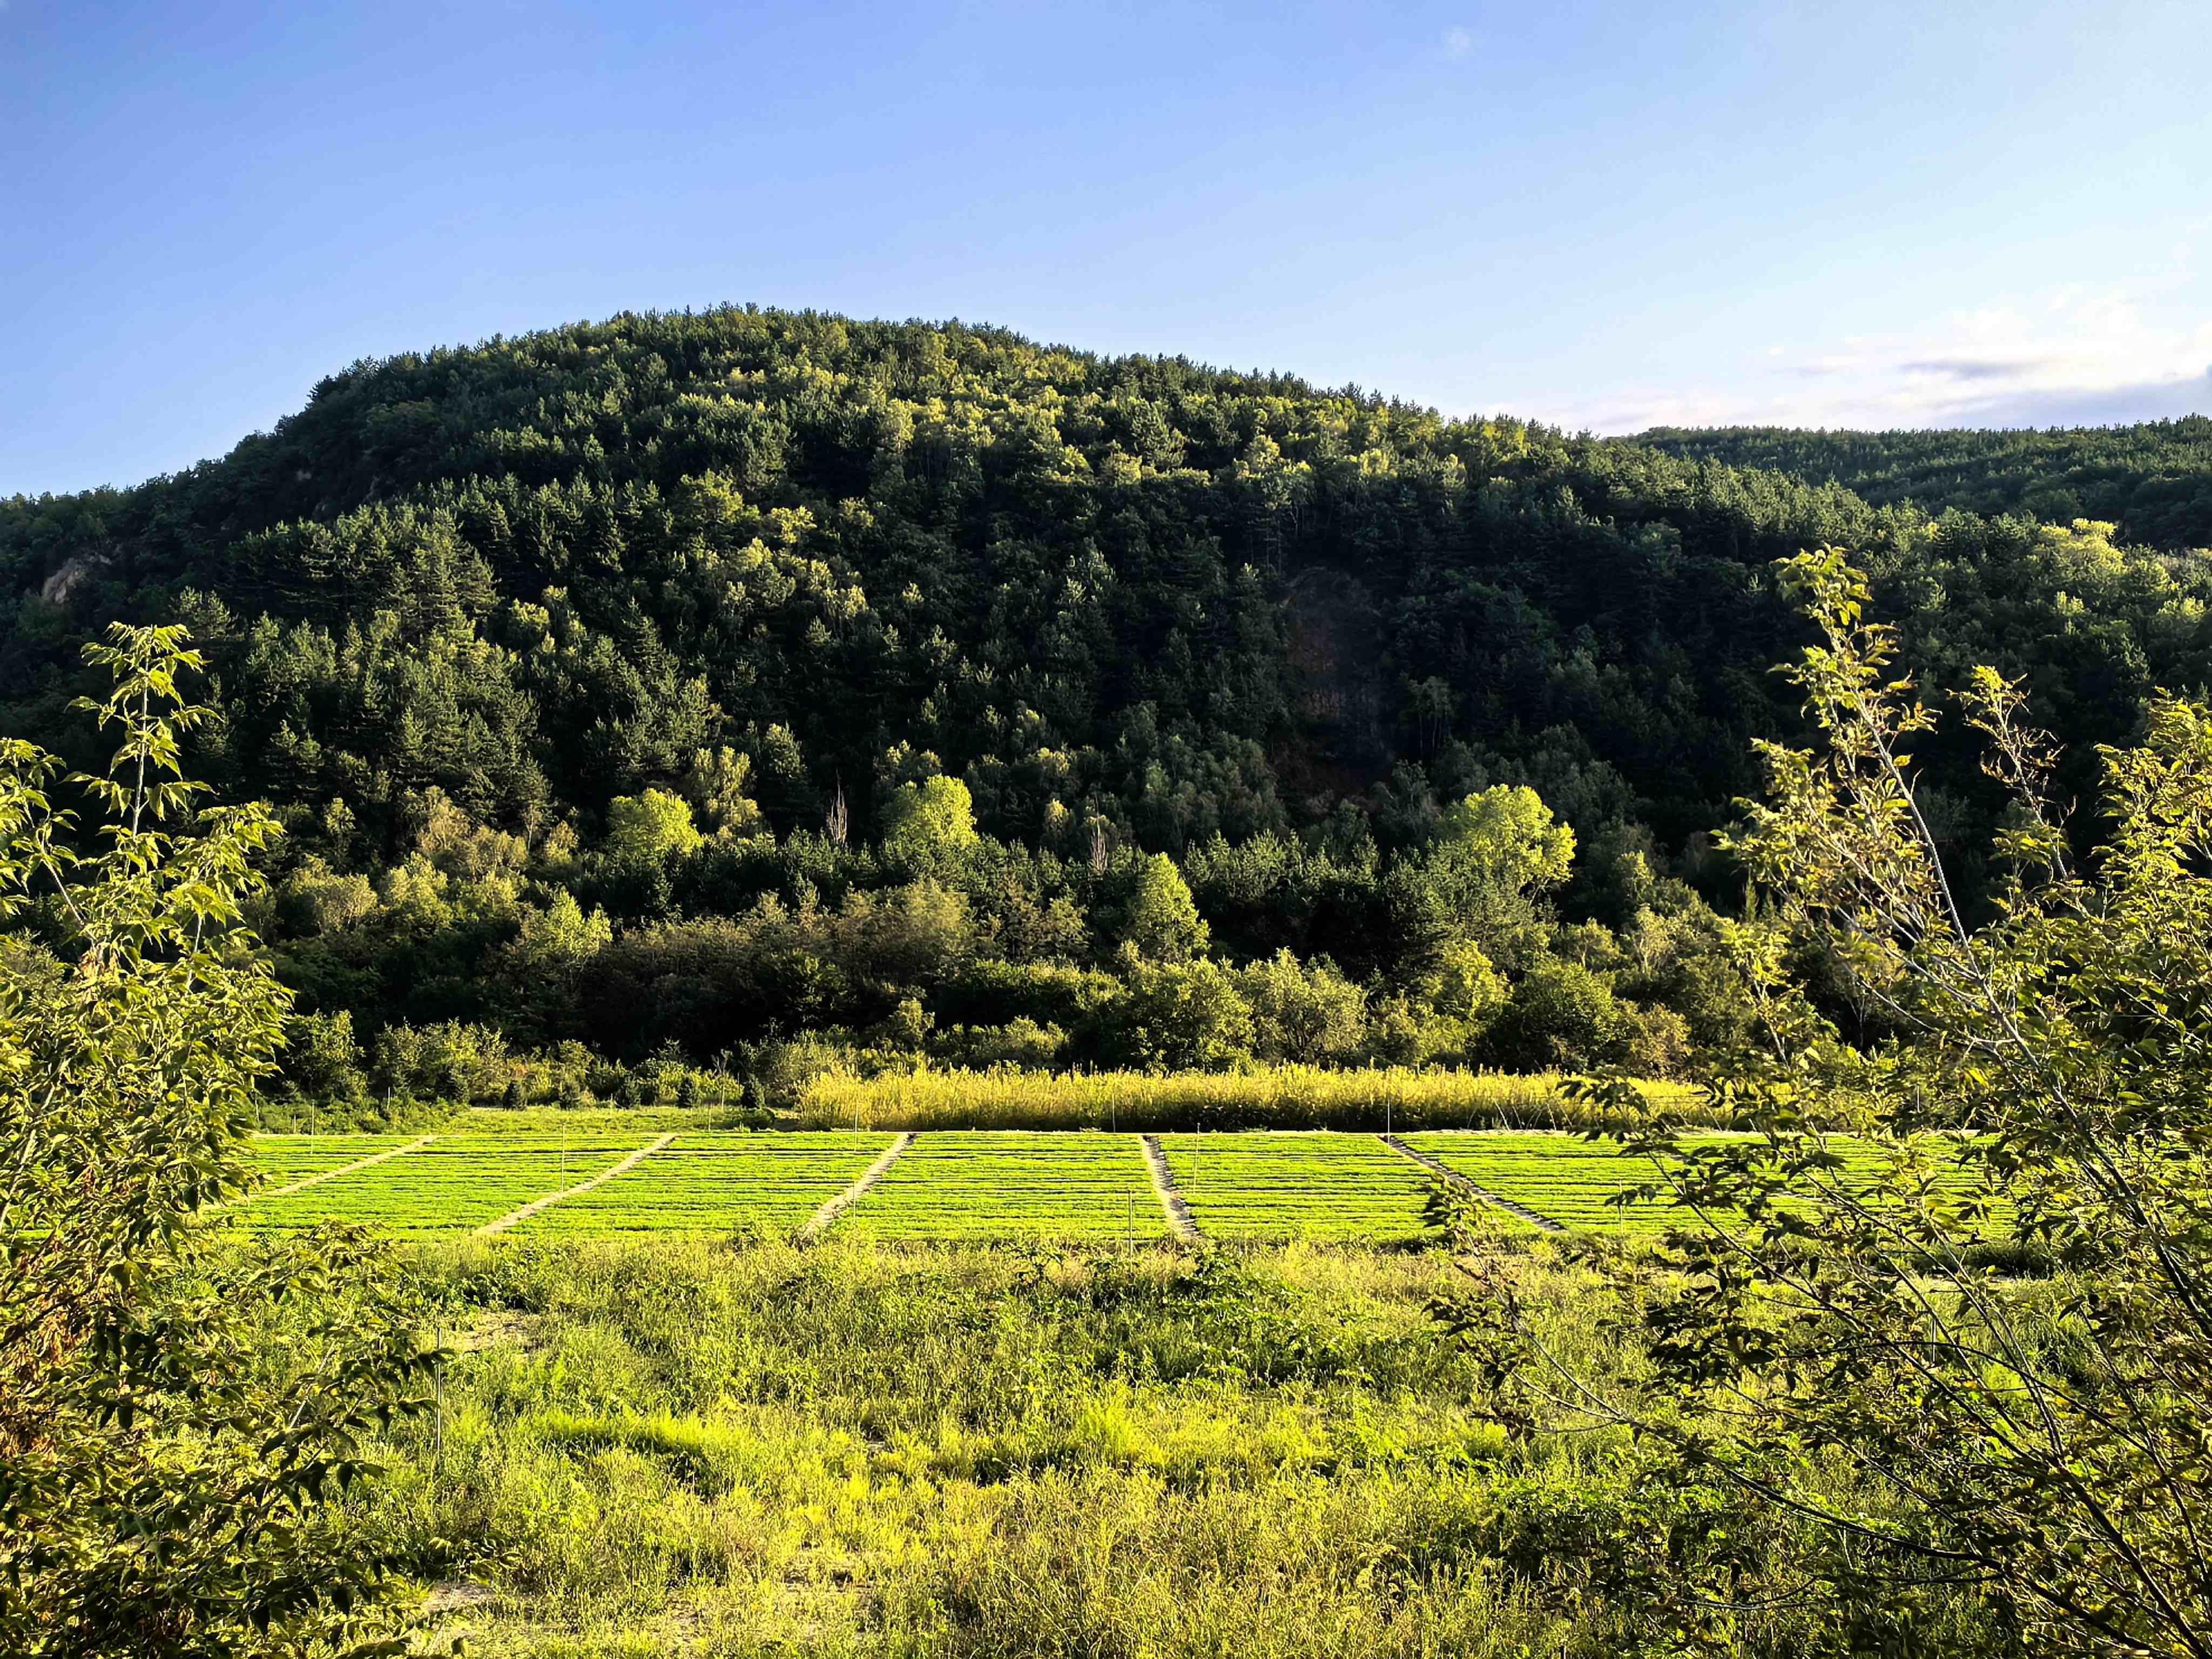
(2154, 480)
(708, 678)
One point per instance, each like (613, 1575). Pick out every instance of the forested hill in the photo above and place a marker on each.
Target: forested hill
(2154, 480)
(501, 615)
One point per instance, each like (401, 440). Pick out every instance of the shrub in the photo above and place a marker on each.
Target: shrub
(452, 1061)
(1307, 1013)
(169, 1472)
(1175, 1017)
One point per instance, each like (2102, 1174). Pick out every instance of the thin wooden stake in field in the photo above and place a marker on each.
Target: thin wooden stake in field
(532, 1208)
(438, 1448)
(853, 1195)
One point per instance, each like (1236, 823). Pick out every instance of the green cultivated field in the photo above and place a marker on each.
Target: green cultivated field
(1865, 1161)
(1559, 1175)
(287, 1158)
(1572, 1181)
(453, 1183)
(1320, 1185)
(963, 1185)
(987, 1184)
(718, 1183)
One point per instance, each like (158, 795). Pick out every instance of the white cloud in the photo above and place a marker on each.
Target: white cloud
(2072, 356)
(1458, 42)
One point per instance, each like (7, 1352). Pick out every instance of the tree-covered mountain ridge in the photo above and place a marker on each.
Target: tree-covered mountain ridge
(2153, 479)
(699, 677)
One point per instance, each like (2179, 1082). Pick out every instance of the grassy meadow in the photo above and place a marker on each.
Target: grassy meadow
(993, 1411)
(682, 1447)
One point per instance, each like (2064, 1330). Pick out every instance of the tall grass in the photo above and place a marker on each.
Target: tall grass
(1274, 1098)
(681, 1448)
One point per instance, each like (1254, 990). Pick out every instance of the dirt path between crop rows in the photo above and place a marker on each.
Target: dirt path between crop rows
(853, 1195)
(1180, 1221)
(546, 1203)
(301, 1186)
(1438, 1167)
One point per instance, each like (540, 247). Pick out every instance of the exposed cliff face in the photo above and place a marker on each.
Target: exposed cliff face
(62, 586)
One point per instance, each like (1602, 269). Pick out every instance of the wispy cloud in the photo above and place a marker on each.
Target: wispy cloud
(1821, 368)
(1458, 42)
(2147, 400)
(2069, 355)
(1973, 368)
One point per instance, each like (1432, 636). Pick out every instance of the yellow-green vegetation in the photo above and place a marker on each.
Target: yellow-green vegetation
(950, 1183)
(1605, 1186)
(670, 1447)
(1272, 1096)
(1583, 1185)
(724, 1183)
(588, 1120)
(455, 1182)
(1258, 1185)
(284, 1159)
(960, 1184)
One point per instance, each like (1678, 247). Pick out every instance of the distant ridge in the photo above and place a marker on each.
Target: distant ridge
(697, 680)
(2153, 479)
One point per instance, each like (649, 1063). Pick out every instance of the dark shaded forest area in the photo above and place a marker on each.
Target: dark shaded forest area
(703, 684)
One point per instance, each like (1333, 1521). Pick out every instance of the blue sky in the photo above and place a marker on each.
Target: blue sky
(1602, 214)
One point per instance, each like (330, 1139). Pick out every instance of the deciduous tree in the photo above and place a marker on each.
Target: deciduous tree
(181, 1409)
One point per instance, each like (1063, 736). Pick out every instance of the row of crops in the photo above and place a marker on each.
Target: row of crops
(1013, 1184)
(946, 1185)
(1327, 1187)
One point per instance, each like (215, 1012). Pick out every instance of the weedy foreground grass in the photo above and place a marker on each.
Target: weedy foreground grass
(676, 1446)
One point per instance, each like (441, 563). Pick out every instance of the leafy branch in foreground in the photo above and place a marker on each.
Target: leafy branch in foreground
(170, 1470)
(1837, 1337)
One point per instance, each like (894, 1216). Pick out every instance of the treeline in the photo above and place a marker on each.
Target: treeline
(718, 683)
(2153, 480)
(615, 967)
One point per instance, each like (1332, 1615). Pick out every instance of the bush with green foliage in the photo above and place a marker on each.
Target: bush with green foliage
(171, 1473)
(2044, 1087)
(1176, 1017)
